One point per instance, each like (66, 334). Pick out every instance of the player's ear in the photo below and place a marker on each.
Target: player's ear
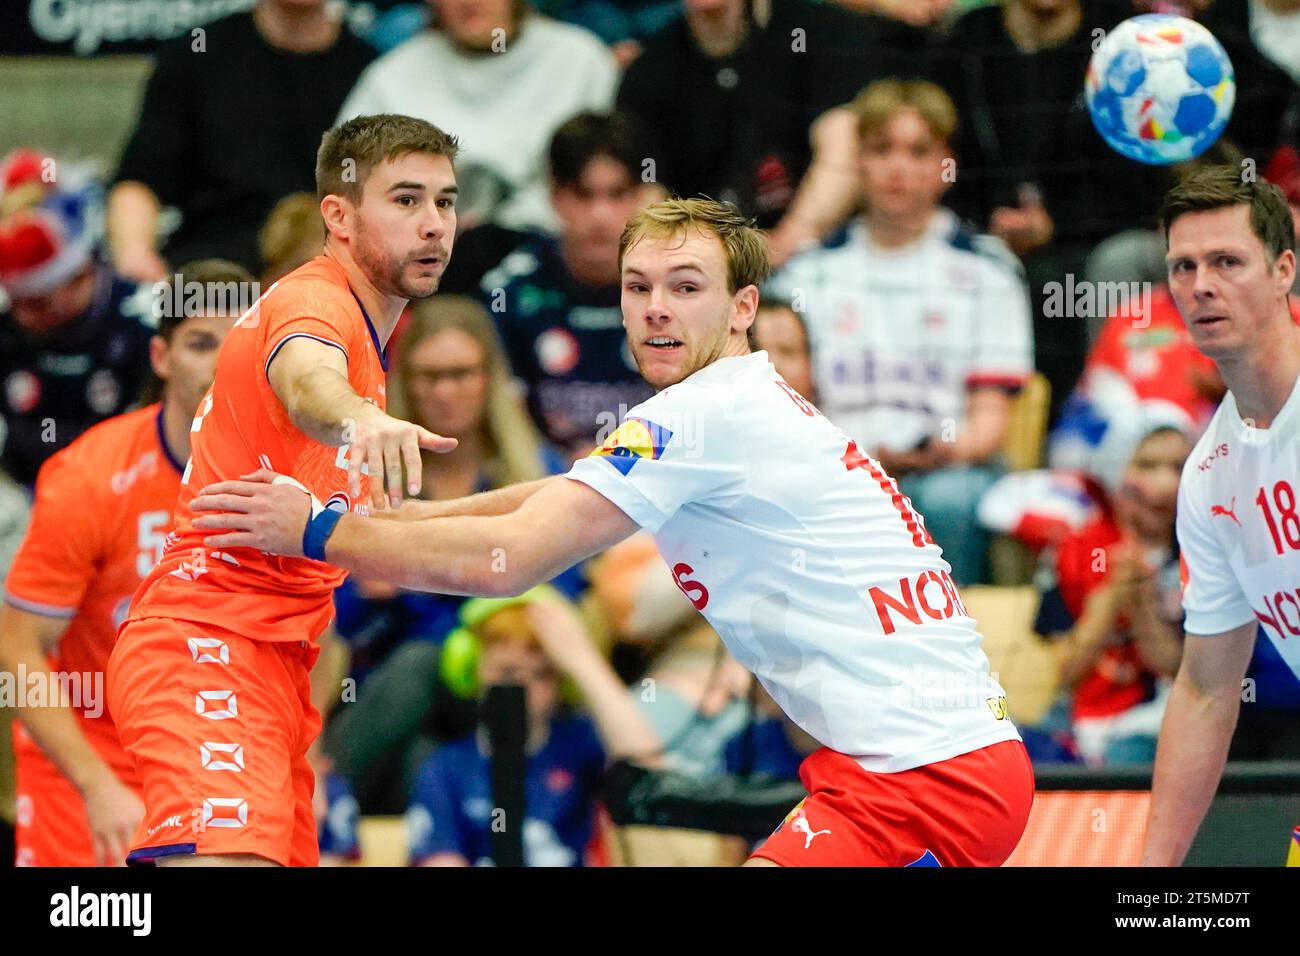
(335, 210)
(746, 303)
(1284, 270)
(160, 357)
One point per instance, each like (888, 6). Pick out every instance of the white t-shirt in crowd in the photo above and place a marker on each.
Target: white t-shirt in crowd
(900, 336)
(1239, 528)
(1277, 35)
(504, 107)
(808, 562)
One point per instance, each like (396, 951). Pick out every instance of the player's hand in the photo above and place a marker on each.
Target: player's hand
(386, 445)
(255, 512)
(1025, 227)
(114, 813)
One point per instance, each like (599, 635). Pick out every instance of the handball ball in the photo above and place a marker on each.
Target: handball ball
(1160, 89)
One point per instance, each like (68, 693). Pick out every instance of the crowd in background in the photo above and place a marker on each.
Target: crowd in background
(929, 180)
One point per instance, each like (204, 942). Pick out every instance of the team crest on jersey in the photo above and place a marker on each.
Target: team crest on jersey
(633, 440)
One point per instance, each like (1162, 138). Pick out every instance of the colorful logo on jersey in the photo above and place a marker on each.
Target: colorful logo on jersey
(633, 440)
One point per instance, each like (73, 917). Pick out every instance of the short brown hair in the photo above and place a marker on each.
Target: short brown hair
(742, 243)
(366, 141)
(880, 102)
(1219, 187)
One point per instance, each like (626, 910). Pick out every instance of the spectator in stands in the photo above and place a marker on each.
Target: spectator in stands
(231, 121)
(780, 332)
(338, 817)
(920, 332)
(503, 78)
(1111, 602)
(556, 300)
(1260, 40)
(919, 13)
(450, 374)
(1275, 29)
(74, 341)
(1033, 170)
(731, 91)
(534, 640)
(770, 745)
(293, 234)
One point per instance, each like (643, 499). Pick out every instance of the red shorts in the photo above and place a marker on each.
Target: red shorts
(218, 726)
(970, 810)
(51, 826)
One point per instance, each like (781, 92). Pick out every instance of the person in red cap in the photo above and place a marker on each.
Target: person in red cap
(74, 336)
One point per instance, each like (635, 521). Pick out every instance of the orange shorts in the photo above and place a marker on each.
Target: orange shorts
(969, 810)
(218, 726)
(51, 826)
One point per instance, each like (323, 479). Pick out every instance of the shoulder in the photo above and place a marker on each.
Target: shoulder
(94, 457)
(1199, 466)
(991, 256)
(233, 33)
(565, 40)
(319, 284)
(413, 54)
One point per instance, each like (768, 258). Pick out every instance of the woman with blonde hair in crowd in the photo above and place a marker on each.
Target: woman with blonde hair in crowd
(450, 375)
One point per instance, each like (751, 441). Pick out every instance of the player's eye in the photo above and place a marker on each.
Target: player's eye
(1229, 261)
(686, 287)
(406, 200)
(446, 202)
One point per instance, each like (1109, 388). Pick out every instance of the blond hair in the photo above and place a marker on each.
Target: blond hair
(742, 243)
(880, 102)
(513, 445)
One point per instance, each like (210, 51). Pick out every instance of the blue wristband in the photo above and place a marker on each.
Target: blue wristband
(317, 532)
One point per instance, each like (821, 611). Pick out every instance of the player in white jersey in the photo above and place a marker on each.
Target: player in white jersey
(797, 548)
(1231, 265)
(920, 332)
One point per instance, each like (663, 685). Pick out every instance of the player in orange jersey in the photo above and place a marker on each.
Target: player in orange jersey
(103, 508)
(209, 681)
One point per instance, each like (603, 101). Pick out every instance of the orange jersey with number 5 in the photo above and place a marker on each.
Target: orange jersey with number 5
(102, 511)
(242, 426)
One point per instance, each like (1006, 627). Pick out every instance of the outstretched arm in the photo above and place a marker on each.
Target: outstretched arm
(499, 501)
(563, 523)
(1194, 737)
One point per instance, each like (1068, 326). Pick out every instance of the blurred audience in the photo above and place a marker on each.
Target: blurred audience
(1032, 169)
(920, 336)
(74, 339)
(293, 234)
(730, 91)
(231, 120)
(502, 78)
(1110, 602)
(536, 640)
(451, 377)
(780, 332)
(556, 301)
(1275, 30)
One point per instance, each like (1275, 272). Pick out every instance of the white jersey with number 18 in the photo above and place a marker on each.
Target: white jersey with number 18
(1238, 527)
(808, 561)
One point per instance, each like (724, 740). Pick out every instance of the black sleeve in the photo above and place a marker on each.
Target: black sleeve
(847, 51)
(156, 152)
